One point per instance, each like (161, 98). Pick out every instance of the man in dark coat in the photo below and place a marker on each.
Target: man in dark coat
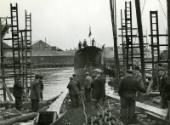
(164, 89)
(98, 87)
(41, 87)
(35, 93)
(103, 81)
(74, 92)
(87, 84)
(128, 87)
(18, 93)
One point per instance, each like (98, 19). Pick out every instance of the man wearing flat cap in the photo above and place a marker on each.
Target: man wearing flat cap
(74, 92)
(35, 93)
(128, 87)
(87, 84)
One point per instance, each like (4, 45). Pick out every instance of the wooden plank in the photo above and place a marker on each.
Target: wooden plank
(147, 108)
(21, 118)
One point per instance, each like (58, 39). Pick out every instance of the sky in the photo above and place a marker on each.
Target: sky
(65, 22)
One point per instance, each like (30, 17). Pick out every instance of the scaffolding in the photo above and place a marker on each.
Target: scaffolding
(129, 44)
(130, 47)
(17, 64)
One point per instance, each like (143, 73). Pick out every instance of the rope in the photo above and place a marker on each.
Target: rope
(101, 108)
(84, 110)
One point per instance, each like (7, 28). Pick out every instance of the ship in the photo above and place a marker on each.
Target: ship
(86, 60)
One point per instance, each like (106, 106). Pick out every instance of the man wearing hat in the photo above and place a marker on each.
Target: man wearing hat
(128, 87)
(41, 87)
(97, 86)
(35, 93)
(18, 93)
(87, 84)
(74, 92)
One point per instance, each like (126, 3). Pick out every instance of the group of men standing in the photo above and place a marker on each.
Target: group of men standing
(92, 87)
(36, 92)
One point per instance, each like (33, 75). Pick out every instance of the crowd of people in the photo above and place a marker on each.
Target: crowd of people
(92, 88)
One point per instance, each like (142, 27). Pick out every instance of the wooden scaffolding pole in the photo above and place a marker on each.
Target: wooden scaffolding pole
(140, 32)
(168, 19)
(114, 28)
(168, 13)
(1, 62)
(0, 48)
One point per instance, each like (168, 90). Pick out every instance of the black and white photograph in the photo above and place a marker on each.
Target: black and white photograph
(84, 62)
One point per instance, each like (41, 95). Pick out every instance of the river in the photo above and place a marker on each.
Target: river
(55, 82)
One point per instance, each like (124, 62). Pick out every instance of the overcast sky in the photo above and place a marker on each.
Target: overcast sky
(65, 22)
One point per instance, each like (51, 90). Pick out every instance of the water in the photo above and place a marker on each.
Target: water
(55, 81)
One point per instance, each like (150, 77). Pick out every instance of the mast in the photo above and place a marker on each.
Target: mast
(114, 28)
(140, 32)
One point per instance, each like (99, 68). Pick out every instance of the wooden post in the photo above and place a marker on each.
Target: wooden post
(140, 32)
(168, 13)
(1, 62)
(114, 28)
(168, 19)
(0, 48)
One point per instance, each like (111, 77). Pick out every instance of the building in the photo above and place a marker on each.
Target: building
(45, 55)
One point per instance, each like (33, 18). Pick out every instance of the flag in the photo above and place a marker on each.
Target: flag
(89, 31)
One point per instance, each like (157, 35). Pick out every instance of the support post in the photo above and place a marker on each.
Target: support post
(114, 28)
(140, 32)
(168, 19)
(1, 62)
(168, 13)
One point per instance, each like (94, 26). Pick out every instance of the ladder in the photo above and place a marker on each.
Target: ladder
(16, 47)
(154, 30)
(28, 52)
(129, 34)
(123, 33)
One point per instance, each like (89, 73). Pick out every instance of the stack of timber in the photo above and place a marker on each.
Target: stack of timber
(26, 114)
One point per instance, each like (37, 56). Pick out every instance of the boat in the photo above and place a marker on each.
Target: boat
(86, 60)
(88, 113)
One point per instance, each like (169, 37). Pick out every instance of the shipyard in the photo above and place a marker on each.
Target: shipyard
(85, 62)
